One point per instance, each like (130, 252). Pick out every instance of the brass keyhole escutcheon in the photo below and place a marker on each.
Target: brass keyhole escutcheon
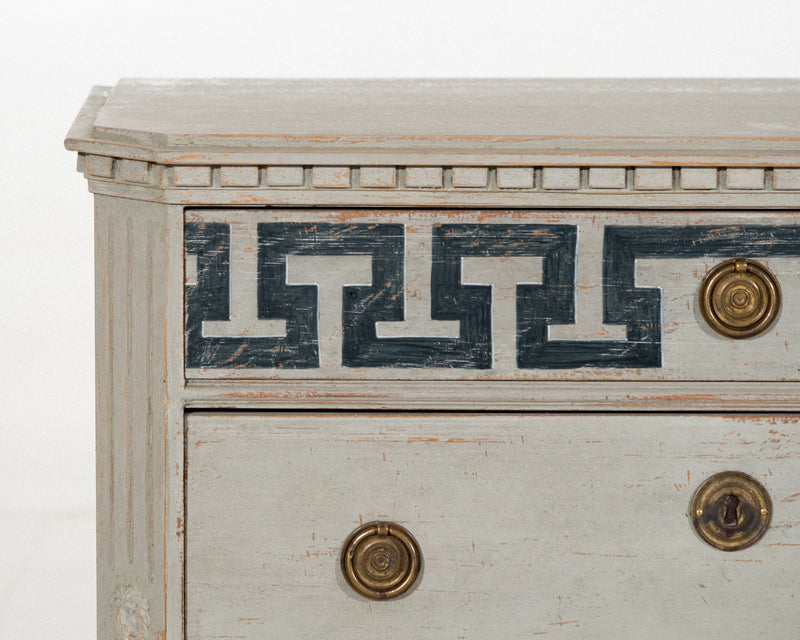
(731, 510)
(739, 298)
(381, 560)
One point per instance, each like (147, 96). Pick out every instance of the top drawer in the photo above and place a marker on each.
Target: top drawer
(480, 295)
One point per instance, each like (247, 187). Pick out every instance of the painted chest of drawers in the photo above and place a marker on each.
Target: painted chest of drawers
(446, 359)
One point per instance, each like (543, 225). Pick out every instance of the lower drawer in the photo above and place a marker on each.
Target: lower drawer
(568, 526)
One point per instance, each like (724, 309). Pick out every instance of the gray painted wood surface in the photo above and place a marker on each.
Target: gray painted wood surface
(195, 122)
(139, 442)
(156, 153)
(358, 110)
(557, 526)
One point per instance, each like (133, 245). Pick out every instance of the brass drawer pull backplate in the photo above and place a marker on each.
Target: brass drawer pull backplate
(381, 560)
(739, 298)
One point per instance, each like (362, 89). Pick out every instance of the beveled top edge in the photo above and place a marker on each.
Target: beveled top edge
(183, 121)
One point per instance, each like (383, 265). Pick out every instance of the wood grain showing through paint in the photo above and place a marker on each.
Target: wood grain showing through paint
(526, 524)
(615, 296)
(215, 521)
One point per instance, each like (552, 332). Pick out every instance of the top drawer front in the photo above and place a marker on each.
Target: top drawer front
(399, 294)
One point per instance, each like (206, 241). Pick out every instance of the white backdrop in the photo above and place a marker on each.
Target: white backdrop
(52, 53)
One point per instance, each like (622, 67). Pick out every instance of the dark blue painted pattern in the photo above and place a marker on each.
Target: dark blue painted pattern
(209, 299)
(539, 305)
(470, 305)
(361, 305)
(639, 309)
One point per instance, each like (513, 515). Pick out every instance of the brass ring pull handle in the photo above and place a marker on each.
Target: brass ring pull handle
(381, 560)
(731, 510)
(739, 298)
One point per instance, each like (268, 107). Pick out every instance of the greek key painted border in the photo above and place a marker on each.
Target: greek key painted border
(291, 298)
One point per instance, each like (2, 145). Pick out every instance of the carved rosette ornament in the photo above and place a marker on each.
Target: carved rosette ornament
(131, 614)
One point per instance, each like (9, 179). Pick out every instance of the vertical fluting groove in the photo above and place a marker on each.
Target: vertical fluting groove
(152, 386)
(107, 452)
(129, 400)
(141, 386)
(165, 461)
(116, 388)
(131, 408)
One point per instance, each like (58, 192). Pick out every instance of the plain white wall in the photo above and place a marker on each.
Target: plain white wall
(52, 53)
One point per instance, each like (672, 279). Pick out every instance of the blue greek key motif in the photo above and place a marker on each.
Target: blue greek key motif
(256, 301)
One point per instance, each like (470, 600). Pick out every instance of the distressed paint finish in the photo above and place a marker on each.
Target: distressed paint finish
(424, 177)
(332, 177)
(373, 393)
(301, 196)
(515, 178)
(377, 177)
(698, 178)
(623, 305)
(573, 496)
(561, 178)
(209, 179)
(137, 387)
(133, 171)
(192, 176)
(453, 297)
(475, 177)
(786, 179)
(652, 179)
(565, 526)
(285, 176)
(200, 120)
(745, 179)
(239, 176)
(607, 178)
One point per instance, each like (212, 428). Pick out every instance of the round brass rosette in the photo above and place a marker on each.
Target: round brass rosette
(381, 560)
(731, 510)
(739, 298)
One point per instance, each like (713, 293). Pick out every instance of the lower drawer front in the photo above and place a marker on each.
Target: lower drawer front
(568, 526)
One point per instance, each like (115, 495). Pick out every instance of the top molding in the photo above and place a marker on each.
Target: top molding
(745, 123)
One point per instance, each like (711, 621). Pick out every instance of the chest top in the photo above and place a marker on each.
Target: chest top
(216, 117)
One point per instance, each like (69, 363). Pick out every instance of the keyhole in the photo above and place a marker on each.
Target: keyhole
(730, 517)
